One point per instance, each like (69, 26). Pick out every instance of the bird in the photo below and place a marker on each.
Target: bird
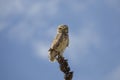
(60, 42)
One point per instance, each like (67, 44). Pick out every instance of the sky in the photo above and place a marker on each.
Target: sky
(28, 27)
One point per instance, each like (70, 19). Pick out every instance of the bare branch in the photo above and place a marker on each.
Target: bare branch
(64, 67)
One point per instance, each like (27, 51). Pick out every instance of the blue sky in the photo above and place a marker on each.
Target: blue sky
(27, 28)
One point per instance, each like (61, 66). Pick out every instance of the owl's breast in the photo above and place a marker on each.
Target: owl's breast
(62, 44)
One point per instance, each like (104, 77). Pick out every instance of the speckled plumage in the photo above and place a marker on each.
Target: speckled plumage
(60, 42)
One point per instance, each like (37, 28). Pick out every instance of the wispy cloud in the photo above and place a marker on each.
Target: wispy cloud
(35, 13)
(41, 49)
(34, 16)
(35, 21)
(33, 25)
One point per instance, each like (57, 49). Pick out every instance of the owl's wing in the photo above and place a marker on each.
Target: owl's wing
(56, 41)
(68, 42)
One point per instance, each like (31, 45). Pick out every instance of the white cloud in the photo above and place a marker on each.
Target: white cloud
(114, 74)
(35, 13)
(8, 7)
(34, 17)
(22, 32)
(20, 6)
(43, 8)
(41, 49)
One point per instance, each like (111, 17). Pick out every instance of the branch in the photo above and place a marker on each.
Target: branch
(64, 67)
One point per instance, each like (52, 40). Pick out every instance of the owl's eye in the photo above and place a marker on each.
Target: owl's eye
(60, 28)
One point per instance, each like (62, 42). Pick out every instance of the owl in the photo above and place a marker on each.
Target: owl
(60, 42)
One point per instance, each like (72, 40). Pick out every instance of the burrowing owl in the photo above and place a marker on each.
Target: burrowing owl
(60, 42)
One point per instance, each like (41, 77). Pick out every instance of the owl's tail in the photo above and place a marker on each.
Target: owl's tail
(52, 59)
(52, 55)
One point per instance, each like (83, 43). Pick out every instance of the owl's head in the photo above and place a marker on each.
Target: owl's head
(62, 28)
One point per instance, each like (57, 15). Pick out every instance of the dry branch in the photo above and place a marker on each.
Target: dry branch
(64, 67)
